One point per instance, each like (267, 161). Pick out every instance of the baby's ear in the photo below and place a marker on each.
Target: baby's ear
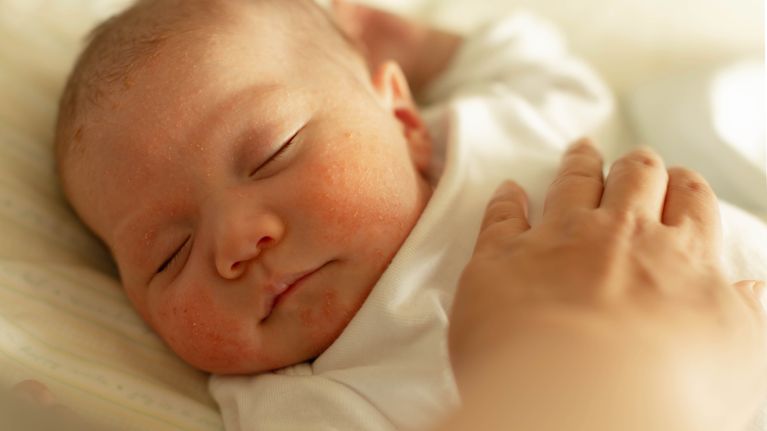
(393, 91)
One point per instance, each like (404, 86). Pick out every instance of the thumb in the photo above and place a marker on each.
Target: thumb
(507, 207)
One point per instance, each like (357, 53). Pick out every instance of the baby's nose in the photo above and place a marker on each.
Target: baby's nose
(242, 238)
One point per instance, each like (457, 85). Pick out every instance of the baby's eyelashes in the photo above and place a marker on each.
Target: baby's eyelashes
(172, 258)
(277, 154)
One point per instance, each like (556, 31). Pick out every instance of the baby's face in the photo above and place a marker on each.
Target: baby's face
(236, 166)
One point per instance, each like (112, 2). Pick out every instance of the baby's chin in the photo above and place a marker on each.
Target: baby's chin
(211, 360)
(273, 350)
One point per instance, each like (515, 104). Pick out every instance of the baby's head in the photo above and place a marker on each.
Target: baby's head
(228, 150)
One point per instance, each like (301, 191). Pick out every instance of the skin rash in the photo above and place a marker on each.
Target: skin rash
(183, 162)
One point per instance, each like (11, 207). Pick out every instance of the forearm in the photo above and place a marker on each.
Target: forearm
(421, 51)
(431, 55)
(579, 379)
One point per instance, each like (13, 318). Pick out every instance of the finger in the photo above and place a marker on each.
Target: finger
(34, 391)
(691, 204)
(753, 292)
(636, 184)
(508, 206)
(578, 183)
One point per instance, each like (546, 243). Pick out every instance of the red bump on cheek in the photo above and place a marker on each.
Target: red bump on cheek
(206, 337)
(351, 198)
(323, 318)
(307, 319)
(328, 303)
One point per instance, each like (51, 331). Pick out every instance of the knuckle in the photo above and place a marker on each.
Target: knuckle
(504, 206)
(620, 221)
(585, 148)
(501, 210)
(498, 239)
(580, 177)
(495, 204)
(517, 224)
(687, 180)
(581, 171)
(643, 158)
(623, 217)
(508, 191)
(681, 172)
(578, 220)
(585, 165)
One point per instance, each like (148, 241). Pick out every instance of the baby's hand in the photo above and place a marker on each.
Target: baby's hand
(421, 51)
(37, 398)
(32, 390)
(379, 35)
(35, 391)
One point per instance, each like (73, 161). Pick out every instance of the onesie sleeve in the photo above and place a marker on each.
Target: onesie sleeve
(523, 61)
(293, 401)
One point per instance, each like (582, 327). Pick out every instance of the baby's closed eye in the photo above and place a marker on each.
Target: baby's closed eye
(277, 154)
(172, 258)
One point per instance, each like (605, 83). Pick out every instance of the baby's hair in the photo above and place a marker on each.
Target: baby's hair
(122, 44)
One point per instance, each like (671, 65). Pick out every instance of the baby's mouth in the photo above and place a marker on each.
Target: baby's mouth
(279, 289)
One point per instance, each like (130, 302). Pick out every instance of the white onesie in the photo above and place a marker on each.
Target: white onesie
(511, 100)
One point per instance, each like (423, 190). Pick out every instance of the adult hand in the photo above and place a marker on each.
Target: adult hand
(612, 313)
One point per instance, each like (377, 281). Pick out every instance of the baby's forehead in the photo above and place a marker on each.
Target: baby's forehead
(186, 74)
(300, 22)
(194, 34)
(255, 43)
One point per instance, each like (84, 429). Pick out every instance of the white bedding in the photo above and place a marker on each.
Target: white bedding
(63, 319)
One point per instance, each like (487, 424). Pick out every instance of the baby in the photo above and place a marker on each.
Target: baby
(280, 211)
(249, 178)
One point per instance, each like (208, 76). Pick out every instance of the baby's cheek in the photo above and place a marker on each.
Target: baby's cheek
(322, 318)
(205, 336)
(368, 195)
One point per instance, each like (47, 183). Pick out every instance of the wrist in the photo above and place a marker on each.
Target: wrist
(582, 371)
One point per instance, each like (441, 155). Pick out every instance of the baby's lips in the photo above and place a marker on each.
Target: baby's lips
(279, 288)
(273, 289)
(279, 285)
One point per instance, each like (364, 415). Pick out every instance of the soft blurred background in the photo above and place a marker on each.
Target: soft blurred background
(688, 76)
